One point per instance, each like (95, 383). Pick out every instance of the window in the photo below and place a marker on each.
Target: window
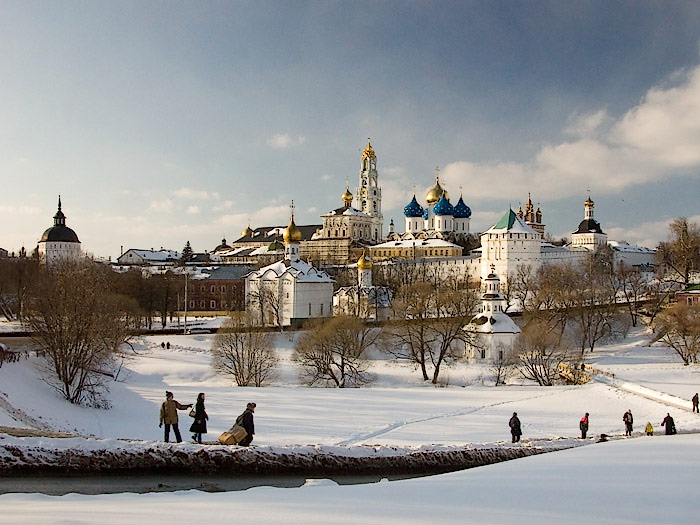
(309, 309)
(223, 289)
(321, 309)
(212, 289)
(212, 304)
(191, 304)
(202, 303)
(483, 353)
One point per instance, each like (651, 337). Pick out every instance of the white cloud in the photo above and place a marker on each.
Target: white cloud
(284, 141)
(19, 210)
(162, 206)
(326, 177)
(645, 233)
(587, 125)
(192, 210)
(658, 137)
(190, 193)
(226, 205)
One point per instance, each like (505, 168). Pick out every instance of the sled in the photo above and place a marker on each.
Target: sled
(233, 436)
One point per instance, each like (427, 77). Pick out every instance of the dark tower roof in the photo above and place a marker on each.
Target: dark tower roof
(59, 232)
(589, 226)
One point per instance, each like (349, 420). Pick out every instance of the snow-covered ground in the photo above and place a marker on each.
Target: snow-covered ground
(646, 479)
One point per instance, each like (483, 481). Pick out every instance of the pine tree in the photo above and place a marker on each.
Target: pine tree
(187, 253)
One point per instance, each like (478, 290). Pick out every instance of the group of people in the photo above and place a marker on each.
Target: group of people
(670, 426)
(169, 418)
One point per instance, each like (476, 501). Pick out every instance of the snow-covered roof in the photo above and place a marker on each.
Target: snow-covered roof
(410, 243)
(493, 323)
(345, 211)
(628, 248)
(162, 255)
(300, 270)
(510, 223)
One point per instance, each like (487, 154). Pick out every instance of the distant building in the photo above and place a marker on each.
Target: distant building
(289, 291)
(363, 300)
(439, 219)
(151, 257)
(690, 296)
(220, 289)
(3, 252)
(495, 330)
(59, 242)
(589, 233)
(415, 249)
(508, 245)
(531, 217)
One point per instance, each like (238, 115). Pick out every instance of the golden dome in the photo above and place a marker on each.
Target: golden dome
(364, 263)
(347, 196)
(246, 231)
(291, 232)
(369, 152)
(435, 193)
(589, 202)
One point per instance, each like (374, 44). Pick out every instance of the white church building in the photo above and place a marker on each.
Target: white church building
(59, 242)
(290, 291)
(495, 330)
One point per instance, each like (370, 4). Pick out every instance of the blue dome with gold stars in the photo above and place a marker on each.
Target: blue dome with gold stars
(413, 209)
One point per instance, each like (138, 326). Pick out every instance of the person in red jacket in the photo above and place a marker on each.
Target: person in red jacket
(583, 425)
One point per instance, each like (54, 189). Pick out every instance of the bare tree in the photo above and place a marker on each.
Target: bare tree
(244, 353)
(409, 336)
(633, 285)
(679, 327)
(503, 364)
(78, 326)
(332, 352)
(428, 326)
(266, 298)
(522, 286)
(454, 308)
(680, 254)
(539, 354)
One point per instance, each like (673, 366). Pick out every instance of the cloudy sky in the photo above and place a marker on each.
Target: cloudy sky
(162, 122)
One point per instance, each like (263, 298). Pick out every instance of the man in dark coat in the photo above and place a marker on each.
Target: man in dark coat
(246, 421)
(583, 425)
(514, 425)
(695, 403)
(669, 424)
(627, 418)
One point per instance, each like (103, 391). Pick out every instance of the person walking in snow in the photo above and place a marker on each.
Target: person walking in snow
(168, 415)
(695, 403)
(246, 421)
(514, 425)
(650, 429)
(669, 424)
(199, 426)
(583, 425)
(628, 419)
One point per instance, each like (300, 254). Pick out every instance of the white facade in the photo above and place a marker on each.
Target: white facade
(289, 291)
(495, 330)
(58, 243)
(508, 245)
(149, 257)
(369, 194)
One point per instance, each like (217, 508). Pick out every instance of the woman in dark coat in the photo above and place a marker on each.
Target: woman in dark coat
(669, 424)
(514, 425)
(199, 426)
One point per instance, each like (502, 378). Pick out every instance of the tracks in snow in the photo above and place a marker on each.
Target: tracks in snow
(402, 424)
